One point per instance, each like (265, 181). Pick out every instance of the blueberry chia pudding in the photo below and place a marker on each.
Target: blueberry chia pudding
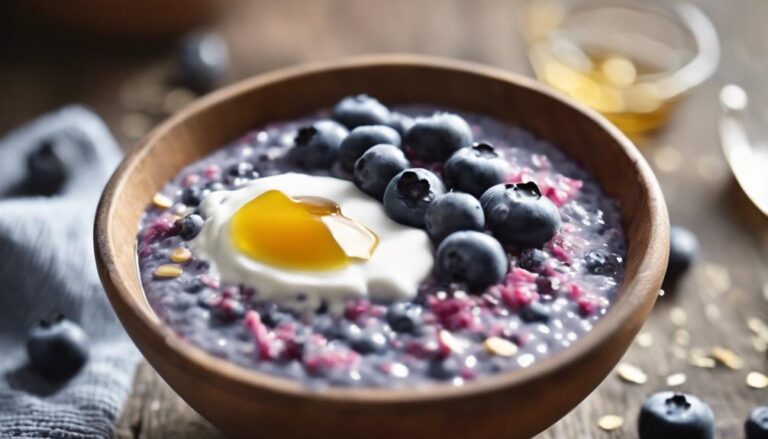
(369, 246)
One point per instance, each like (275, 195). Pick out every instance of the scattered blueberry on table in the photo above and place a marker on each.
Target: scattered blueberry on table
(57, 348)
(756, 426)
(203, 61)
(675, 415)
(48, 167)
(683, 250)
(524, 253)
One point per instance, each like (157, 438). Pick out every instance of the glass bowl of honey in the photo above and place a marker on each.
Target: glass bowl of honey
(630, 60)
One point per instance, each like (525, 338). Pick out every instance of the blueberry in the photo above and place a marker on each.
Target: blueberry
(471, 257)
(57, 349)
(367, 344)
(409, 193)
(374, 169)
(242, 170)
(191, 226)
(332, 330)
(400, 122)
(214, 186)
(192, 196)
(435, 138)
(675, 415)
(518, 215)
(48, 168)
(475, 169)
(683, 250)
(535, 312)
(531, 259)
(317, 145)
(208, 300)
(194, 285)
(203, 61)
(453, 212)
(361, 139)
(225, 310)
(355, 111)
(444, 368)
(404, 317)
(272, 316)
(756, 426)
(603, 262)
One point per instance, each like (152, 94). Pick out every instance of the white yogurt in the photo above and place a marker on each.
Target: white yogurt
(400, 262)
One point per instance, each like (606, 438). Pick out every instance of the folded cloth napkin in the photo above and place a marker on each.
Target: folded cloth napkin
(47, 267)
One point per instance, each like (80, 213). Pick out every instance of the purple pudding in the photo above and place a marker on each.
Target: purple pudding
(391, 248)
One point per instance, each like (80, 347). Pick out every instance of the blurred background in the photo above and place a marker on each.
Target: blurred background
(78, 50)
(656, 69)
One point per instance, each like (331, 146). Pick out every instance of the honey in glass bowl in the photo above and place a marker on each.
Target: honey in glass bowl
(631, 61)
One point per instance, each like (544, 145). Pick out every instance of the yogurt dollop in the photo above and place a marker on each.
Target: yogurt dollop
(401, 260)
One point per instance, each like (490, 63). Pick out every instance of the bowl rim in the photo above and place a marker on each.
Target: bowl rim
(238, 379)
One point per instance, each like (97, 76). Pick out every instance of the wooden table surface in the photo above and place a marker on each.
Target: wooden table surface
(40, 70)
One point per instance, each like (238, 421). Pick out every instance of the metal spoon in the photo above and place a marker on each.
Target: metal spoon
(747, 157)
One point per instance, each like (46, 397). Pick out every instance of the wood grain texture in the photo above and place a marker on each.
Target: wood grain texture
(40, 73)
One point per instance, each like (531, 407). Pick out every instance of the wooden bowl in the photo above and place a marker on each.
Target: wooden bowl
(519, 403)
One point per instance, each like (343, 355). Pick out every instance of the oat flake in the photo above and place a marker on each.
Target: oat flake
(757, 380)
(610, 422)
(676, 379)
(631, 374)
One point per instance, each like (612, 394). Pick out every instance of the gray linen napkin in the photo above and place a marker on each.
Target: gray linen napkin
(46, 267)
